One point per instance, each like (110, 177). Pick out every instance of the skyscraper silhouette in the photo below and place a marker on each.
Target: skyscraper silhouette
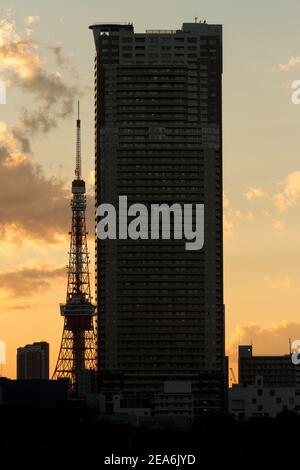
(33, 361)
(159, 140)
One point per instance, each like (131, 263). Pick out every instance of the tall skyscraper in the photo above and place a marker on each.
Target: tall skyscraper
(33, 361)
(159, 140)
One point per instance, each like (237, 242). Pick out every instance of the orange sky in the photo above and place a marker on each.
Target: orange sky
(261, 172)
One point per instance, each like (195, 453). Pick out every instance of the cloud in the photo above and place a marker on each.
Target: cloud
(14, 307)
(31, 19)
(35, 205)
(29, 32)
(26, 281)
(17, 56)
(277, 225)
(64, 62)
(290, 64)
(36, 122)
(279, 283)
(228, 227)
(254, 193)
(32, 205)
(232, 217)
(23, 141)
(61, 60)
(286, 197)
(21, 64)
(289, 195)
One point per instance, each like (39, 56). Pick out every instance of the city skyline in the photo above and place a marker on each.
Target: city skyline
(260, 126)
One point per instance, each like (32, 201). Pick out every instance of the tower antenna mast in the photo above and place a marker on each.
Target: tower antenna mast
(78, 146)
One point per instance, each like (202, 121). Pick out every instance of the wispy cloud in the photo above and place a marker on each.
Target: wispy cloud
(232, 217)
(277, 224)
(290, 64)
(5, 308)
(254, 193)
(277, 202)
(31, 19)
(280, 283)
(26, 281)
(32, 205)
(21, 63)
(29, 32)
(290, 192)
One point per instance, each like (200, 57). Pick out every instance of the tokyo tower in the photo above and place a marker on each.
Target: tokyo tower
(77, 353)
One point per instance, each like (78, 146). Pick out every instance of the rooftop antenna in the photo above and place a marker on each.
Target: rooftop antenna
(78, 147)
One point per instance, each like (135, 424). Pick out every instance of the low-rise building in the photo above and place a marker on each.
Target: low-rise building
(268, 385)
(249, 401)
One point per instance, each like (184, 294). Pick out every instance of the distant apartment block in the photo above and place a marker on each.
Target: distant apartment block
(33, 361)
(277, 371)
(257, 400)
(268, 385)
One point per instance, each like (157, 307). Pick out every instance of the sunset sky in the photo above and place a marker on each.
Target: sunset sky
(46, 60)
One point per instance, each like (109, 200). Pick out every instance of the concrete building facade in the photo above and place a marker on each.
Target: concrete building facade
(33, 361)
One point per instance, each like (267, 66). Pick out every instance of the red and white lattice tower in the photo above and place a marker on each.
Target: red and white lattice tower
(78, 346)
